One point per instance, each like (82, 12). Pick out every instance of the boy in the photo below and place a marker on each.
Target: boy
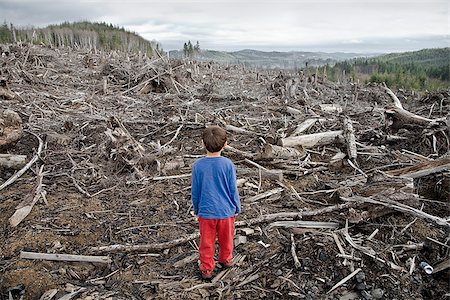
(216, 201)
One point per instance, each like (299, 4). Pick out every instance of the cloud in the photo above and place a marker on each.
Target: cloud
(233, 24)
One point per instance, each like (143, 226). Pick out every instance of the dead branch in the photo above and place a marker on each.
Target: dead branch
(27, 166)
(65, 257)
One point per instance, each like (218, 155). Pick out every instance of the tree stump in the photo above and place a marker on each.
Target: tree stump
(10, 128)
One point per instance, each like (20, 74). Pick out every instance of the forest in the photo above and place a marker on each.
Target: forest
(427, 69)
(80, 35)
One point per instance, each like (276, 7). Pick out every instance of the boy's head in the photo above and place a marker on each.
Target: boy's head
(214, 138)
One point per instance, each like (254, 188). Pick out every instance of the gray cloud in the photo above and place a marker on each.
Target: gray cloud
(270, 25)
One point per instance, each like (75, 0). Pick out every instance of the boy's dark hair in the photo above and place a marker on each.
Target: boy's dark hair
(214, 138)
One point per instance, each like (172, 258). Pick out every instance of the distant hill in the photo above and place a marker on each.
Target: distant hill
(86, 35)
(423, 69)
(270, 60)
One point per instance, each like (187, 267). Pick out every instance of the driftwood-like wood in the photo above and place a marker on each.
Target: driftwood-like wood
(305, 125)
(399, 207)
(331, 108)
(240, 130)
(240, 152)
(276, 175)
(424, 168)
(10, 127)
(312, 140)
(13, 161)
(274, 151)
(267, 194)
(291, 215)
(65, 257)
(349, 134)
(305, 224)
(146, 247)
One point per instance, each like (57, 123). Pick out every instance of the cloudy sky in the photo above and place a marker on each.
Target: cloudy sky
(310, 25)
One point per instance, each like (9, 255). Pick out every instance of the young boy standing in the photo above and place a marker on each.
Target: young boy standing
(215, 199)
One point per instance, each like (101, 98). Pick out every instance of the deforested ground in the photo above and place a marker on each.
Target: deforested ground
(344, 186)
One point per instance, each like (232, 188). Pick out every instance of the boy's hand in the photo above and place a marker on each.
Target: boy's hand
(194, 216)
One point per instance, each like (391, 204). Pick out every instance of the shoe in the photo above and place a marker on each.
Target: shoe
(226, 264)
(207, 274)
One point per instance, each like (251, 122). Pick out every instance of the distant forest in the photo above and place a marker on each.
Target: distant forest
(81, 35)
(427, 69)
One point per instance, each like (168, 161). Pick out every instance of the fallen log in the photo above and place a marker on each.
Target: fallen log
(292, 215)
(240, 152)
(397, 117)
(240, 130)
(305, 224)
(267, 194)
(12, 161)
(305, 125)
(146, 247)
(312, 140)
(398, 207)
(274, 151)
(349, 134)
(65, 257)
(10, 127)
(276, 175)
(424, 168)
(331, 108)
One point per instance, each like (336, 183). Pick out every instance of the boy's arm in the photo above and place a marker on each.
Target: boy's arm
(234, 191)
(195, 191)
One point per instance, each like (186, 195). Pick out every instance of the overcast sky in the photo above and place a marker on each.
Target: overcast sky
(303, 25)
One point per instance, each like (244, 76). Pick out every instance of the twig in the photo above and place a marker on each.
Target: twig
(174, 137)
(344, 280)
(297, 263)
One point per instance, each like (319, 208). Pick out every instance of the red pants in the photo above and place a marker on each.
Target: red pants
(209, 230)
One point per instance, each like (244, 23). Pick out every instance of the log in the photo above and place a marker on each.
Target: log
(12, 161)
(331, 108)
(394, 98)
(292, 215)
(10, 127)
(385, 201)
(294, 111)
(65, 257)
(274, 151)
(305, 224)
(312, 140)
(267, 194)
(305, 125)
(240, 130)
(240, 152)
(276, 175)
(146, 247)
(349, 135)
(423, 169)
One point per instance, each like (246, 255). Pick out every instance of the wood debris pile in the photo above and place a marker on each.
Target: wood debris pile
(344, 186)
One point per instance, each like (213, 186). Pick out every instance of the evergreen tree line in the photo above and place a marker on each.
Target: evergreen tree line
(427, 69)
(191, 51)
(83, 35)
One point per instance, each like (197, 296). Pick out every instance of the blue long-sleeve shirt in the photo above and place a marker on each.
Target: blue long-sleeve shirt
(214, 189)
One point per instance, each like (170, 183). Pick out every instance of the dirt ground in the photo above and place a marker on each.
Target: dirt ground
(120, 134)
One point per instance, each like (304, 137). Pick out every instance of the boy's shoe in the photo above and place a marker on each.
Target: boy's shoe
(207, 274)
(226, 264)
